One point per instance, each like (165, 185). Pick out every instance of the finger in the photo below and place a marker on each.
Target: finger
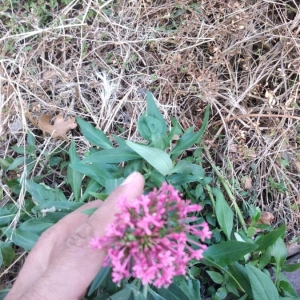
(78, 263)
(46, 248)
(132, 187)
(96, 225)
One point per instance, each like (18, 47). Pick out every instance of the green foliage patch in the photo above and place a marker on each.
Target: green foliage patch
(238, 263)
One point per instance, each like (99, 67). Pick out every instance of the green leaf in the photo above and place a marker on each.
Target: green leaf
(92, 187)
(173, 292)
(7, 213)
(102, 296)
(225, 253)
(30, 139)
(154, 112)
(53, 206)
(53, 217)
(129, 292)
(279, 252)
(158, 142)
(225, 271)
(187, 140)
(153, 295)
(221, 293)
(149, 127)
(176, 129)
(74, 177)
(121, 142)
(99, 279)
(35, 225)
(216, 277)
(291, 267)
(265, 258)
(93, 135)
(113, 156)
(124, 294)
(155, 179)
(205, 120)
(99, 196)
(224, 213)
(285, 287)
(19, 149)
(199, 192)
(251, 231)
(207, 180)
(8, 254)
(5, 163)
(178, 179)
(1, 261)
(191, 287)
(194, 272)
(42, 193)
(239, 272)
(231, 288)
(21, 238)
(94, 171)
(190, 138)
(157, 158)
(3, 293)
(185, 167)
(199, 172)
(112, 184)
(17, 162)
(261, 284)
(270, 238)
(54, 161)
(134, 166)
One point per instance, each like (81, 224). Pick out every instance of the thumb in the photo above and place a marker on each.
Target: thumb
(96, 225)
(131, 188)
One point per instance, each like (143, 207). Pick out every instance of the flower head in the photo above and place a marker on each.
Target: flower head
(149, 238)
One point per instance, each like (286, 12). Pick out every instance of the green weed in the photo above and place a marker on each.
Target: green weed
(237, 258)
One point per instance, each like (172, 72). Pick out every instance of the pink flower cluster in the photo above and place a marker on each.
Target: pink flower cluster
(149, 238)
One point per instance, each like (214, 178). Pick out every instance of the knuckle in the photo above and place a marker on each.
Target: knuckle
(81, 238)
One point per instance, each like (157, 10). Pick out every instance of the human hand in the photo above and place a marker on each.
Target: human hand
(62, 264)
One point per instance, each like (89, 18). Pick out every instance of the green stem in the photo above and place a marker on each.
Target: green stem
(211, 196)
(227, 189)
(145, 290)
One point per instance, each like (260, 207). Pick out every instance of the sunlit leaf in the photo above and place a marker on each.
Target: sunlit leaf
(157, 158)
(261, 284)
(225, 253)
(93, 135)
(224, 213)
(73, 176)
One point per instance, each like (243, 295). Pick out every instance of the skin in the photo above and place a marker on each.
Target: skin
(62, 264)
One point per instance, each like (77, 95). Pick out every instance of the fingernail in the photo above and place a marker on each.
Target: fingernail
(130, 178)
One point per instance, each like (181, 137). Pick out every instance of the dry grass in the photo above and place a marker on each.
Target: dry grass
(96, 60)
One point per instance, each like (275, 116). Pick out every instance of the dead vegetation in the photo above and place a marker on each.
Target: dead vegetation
(96, 60)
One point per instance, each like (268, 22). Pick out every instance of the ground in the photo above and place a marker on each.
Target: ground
(96, 59)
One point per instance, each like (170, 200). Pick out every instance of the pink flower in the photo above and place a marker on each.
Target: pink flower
(149, 237)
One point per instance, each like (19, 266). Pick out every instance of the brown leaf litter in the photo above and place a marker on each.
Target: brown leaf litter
(60, 126)
(247, 183)
(266, 218)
